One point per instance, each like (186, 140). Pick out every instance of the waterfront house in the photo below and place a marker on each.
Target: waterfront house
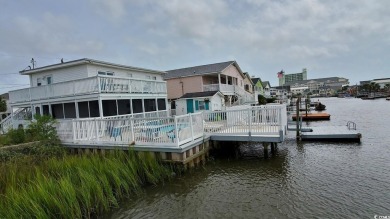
(225, 77)
(87, 88)
(266, 88)
(199, 101)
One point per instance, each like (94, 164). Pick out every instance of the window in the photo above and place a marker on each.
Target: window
(69, 110)
(124, 107)
(39, 82)
(48, 80)
(109, 108)
(130, 75)
(148, 77)
(162, 104)
(57, 111)
(154, 78)
(109, 73)
(137, 105)
(150, 105)
(201, 105)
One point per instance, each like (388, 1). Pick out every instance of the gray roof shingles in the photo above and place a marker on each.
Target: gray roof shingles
(197, 70)
(199, 94)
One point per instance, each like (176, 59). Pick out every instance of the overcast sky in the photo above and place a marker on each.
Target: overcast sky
(346, 38)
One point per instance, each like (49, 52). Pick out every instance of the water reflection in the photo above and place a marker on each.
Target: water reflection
(301, 180)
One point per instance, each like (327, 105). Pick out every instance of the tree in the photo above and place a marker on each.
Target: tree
(43, 129)
(374, 87)
(3, 105)
(262, 100)
(387, 87)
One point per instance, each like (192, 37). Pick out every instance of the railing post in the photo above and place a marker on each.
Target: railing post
(176, 132)
(129, 88)
(250, 121)
(192, 128)
(132, 129)
(74, 130)
(99, 85)
(280, 119)
(97, 131)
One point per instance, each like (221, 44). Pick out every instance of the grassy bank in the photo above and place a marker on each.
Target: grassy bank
(68, 186)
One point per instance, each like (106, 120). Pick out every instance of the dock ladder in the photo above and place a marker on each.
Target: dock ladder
(351, 125)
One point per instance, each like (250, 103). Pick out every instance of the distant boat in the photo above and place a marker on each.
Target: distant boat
(320, 107)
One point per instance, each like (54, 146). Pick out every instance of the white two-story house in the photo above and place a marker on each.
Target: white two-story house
(87, 88)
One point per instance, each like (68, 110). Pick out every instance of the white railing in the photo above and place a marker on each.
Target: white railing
(97, 84)
(164, 132)
(219, 87)
(269, 120)
(261, 120)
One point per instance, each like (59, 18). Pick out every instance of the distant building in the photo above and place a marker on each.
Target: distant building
(321, 86)
(289, 78)
(258, 86)
(381, 81)
(280, 93)
(266, 88)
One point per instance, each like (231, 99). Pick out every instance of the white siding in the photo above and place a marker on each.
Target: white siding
(61, 75)
(215, 103)
(118, 72)
(181, 107)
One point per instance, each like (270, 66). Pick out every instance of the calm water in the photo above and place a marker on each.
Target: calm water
(305, 180)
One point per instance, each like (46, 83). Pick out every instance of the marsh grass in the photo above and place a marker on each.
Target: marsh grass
(74, 186)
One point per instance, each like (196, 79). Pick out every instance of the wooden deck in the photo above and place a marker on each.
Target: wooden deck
(312, 116)
(331, 133)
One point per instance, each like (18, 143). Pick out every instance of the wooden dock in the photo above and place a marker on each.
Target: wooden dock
(312, 116)
(331, 133)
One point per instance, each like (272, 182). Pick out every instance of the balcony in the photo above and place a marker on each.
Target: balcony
(226, 89)
(91, 85)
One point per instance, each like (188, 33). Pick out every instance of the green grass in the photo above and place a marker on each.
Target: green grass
(75, 186)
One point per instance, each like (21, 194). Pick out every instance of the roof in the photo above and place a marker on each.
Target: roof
(264, 83)
(200, 94)
(200, 70)
(86, 61)
(255, 80)
(5, 96)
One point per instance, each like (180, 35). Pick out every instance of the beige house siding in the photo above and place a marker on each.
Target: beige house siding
(190, 85)
(247, 81)
(233, 72)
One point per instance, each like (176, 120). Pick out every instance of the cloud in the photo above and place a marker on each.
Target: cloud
(112, 9)
(48, 34)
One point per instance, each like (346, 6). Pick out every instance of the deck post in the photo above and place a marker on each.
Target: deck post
(273, 148)
(297, 117)
(265, 145)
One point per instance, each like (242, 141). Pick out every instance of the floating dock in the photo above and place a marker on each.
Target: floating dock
(312, 116)
(331, 133)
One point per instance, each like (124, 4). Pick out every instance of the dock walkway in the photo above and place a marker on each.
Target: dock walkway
(331, 133)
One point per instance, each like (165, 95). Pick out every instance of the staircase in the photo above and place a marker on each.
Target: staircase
(5, 124)
(20, 114)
